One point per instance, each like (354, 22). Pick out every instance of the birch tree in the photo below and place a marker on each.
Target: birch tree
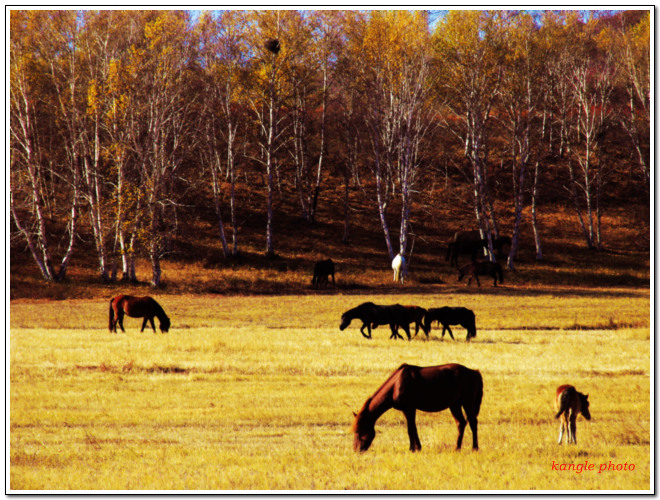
(224, 60)
(160, 72)
(469, 51)
(520, 101)
(392, 67)
(591, 78)
(43, 84)
(268, 93)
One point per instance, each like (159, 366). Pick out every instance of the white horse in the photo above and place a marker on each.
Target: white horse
(400, 269)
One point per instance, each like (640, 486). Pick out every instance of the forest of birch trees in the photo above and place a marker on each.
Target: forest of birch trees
(117, 116)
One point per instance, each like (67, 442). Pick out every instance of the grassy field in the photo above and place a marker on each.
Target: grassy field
(257, 393)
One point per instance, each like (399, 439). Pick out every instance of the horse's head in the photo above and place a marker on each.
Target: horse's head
(584, 403)
(364, 432)
(345, 321)
(165, 324)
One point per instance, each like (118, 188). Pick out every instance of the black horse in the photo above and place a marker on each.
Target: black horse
(472, 247)
(499, 244)
(373, 315)
(456, 248)
(451, 316)
(482, 268)
(323, 269)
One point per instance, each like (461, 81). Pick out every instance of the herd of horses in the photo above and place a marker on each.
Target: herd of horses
(409, 388)
(463, 243)
(398, 316)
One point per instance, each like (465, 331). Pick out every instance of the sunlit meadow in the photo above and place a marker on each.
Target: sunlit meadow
(257, 393)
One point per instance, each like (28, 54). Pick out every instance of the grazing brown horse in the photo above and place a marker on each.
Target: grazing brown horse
(136, 307)
(482, 268)
(373, 315)
(569, 403)
(451, 316)
(431, 389)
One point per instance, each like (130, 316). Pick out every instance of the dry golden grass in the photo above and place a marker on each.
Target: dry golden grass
(256, 393)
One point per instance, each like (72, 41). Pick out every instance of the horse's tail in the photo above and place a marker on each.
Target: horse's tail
(473, 325)
(111, 315)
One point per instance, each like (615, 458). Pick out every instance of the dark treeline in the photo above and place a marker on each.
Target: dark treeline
(119, 116)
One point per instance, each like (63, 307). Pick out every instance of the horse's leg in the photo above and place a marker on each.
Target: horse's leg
(449, 332)
(144, 323)
(415, 444)
(472, 420)
(564, 428)
(362, 330)
(476, 277)
(406, 328)
(494, 278)
(151, 320)
(460, 422)
(120, 320)
(395, 332)
(572, 434)
(421, 325)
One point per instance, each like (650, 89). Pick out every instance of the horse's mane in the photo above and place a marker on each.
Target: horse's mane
(366, 404)
(355, 420)
(160, 312)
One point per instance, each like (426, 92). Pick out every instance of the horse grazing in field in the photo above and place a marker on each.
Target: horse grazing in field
(136, 307)
(416, 315)
(451, 316)
(373, 315)
(400, 268)
(481, 268)
(323, 269)
(569, 403)
(430, 389)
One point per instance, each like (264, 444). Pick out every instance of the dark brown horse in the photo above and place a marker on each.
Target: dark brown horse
(481, 268)
(416, 315)
(373, 315)
(471, 243)
(456, 248)
(431, 389)
(136, 307)
(499, 244)
(451, 316)
(569, 403)
(322, 270)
